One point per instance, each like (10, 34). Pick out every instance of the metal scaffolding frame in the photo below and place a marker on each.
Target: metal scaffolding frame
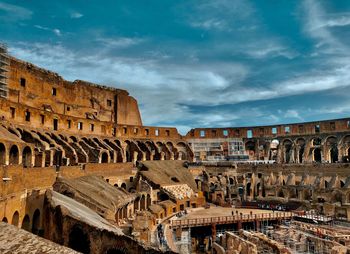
(4, 63)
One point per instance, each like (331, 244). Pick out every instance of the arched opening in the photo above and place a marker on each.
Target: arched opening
(123, 186)
(248, 190)
(14, 155)
(104, 158)
(287, 151)
(317, 155)
(15, 219)
(36, 222)
(149, 201)
(257, 190)
(27, 157)
(2, 154)
(4, 220)
(333, 154)
(38, 160)
(163, 196)
(143, 203)
(78, 240)
(26, 223)
(280, 194)
(231, 181)
(116, 185)
(250, 148)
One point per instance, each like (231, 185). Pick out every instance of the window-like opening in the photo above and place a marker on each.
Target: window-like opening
(27, 157)
(78, 240)
(114, 131)
(156, 132)
(131, 179)
(317, 128)
(136, 130)
(69, 123)
(146, 132)
(286, 129)
(2, 154)
(36, 222)
(55, 124)
(92, 127)
(103, 129)
(14, 155)
(54, 91)
(167, 133)
(174, 179)
(26, 223)
(225, 133)
(27, 116)
(317, 155)
(249, 133)
(274, 130)
(202, 133)
(13, 112)
(332, 126)
(261, 131)
(104, 158)
(15, 219)
(301, 128)
(109, 103)
(23, 82)
(125, 130)
(42, 117)
(213, 132)
(68, 108)
(80, 125)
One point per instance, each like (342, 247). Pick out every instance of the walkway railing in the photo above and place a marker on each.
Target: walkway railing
(231, 219)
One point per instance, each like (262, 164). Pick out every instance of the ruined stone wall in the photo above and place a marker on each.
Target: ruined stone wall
(307, 128)
(37, 88)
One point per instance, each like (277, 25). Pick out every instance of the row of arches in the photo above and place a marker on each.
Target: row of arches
(14, 155)
(49, 149)
(330, 149)
(30, 224)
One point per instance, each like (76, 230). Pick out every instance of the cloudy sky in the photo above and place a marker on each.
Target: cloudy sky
(196, 63)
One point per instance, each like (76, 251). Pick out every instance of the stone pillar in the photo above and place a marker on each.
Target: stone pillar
(213, 231)
(162, 156)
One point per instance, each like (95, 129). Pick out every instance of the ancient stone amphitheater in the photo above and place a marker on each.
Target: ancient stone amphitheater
(81, 171)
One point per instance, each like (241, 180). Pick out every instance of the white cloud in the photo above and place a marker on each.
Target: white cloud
(76, 15)
(166, 91)
(14, 12)
(55, 30)
(120, 42)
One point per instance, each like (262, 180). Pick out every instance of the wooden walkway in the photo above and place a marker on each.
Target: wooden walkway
(186, 223)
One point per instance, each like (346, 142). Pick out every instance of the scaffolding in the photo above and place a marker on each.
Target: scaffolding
(4, 63)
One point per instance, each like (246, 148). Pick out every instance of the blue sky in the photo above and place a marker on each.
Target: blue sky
(196, 63)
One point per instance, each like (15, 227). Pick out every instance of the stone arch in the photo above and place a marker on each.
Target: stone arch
(250, 149)
(74, 139)
(116, 148)
(287, 150)
(38, 158)
(78, 239)
(131, 150)
(317, 155)
(27, 157)
(300, 143)
(26, 223)
(149, 200)
(145, 150)
(185, 151)
(143, 203)
(331, 145)
(316, 141)
(2, 154)
(15, 219)
(36, 222)
(172, 149)
(14, 155)
(104, 157)
(4, 220)
(164, 150)
(248, 189)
